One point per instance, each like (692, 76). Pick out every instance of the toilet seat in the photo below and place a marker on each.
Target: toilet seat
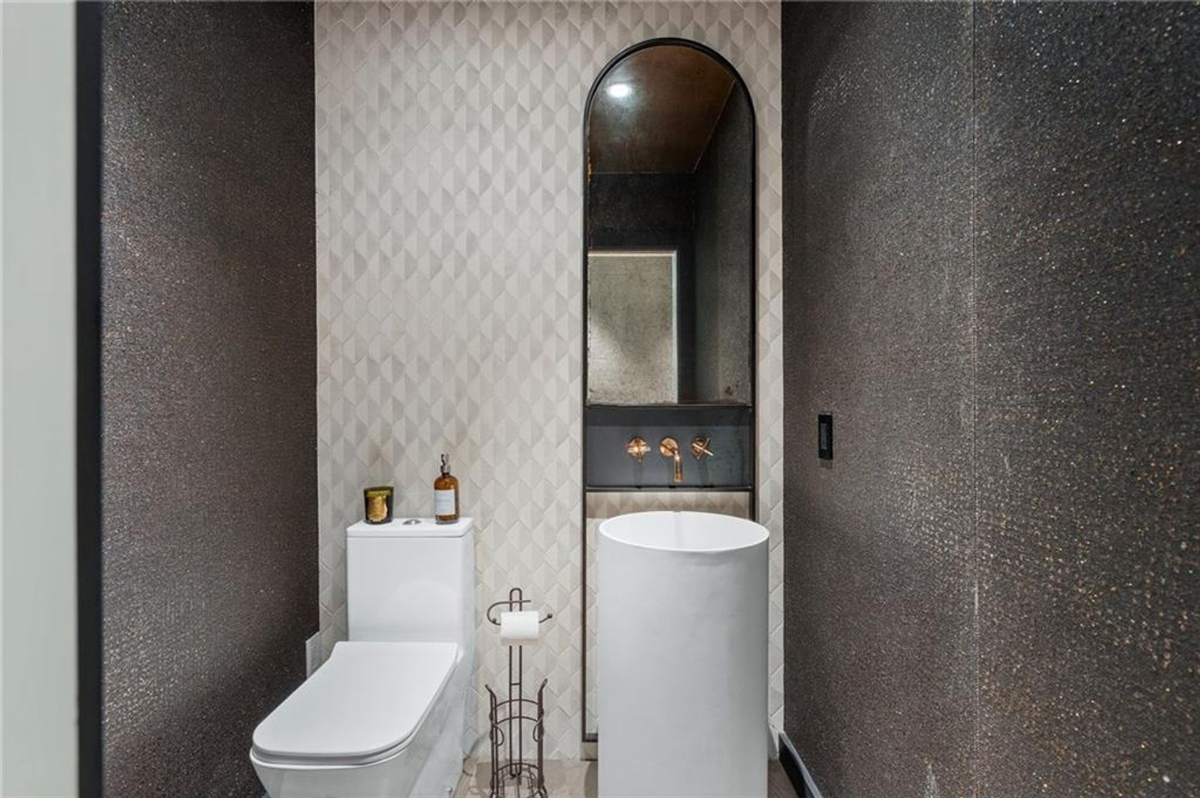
(364, 705)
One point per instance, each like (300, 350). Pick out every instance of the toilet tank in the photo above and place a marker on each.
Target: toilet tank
(411, 582)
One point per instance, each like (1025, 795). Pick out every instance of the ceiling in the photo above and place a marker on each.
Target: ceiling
(675, 97)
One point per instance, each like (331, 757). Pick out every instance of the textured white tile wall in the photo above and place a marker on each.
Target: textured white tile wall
(449, 301)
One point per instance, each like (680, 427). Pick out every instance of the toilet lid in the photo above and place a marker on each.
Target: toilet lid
(366, 700)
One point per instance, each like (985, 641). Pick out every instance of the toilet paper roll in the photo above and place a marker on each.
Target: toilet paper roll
(519, 628)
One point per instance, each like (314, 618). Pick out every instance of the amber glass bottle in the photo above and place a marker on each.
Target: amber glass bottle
(445, 495)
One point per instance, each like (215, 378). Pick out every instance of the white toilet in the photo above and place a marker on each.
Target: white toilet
(387, 715)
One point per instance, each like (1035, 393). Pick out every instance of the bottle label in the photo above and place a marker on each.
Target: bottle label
(443, 502)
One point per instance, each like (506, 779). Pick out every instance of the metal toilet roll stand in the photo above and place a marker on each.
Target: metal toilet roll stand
(507, 718)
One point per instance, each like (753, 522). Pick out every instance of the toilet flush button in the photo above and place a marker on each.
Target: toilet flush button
(411, 521)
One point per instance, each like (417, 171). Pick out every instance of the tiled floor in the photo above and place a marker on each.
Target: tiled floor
(571, 779)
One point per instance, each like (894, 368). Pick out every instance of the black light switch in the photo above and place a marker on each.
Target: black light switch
(825, 436)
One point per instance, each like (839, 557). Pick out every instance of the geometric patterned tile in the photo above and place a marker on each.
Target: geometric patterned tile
(449, 285)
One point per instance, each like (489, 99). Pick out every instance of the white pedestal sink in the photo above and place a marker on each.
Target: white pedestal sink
(682, 649)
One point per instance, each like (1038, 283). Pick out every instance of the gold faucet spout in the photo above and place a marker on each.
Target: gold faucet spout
(670, 448)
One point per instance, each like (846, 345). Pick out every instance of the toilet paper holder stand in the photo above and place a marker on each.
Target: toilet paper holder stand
(507, 718)
(515, 602)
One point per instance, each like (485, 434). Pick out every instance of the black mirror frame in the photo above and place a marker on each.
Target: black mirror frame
(590, 738)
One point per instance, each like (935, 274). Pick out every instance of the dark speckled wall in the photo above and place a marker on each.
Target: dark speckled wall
(879, 635)
(1088, 425)
(724, 219)
(209, 353)
(991, 282)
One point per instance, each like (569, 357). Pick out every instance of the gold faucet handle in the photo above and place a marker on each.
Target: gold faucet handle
(670, 448)
(637, 448)
(700, 447)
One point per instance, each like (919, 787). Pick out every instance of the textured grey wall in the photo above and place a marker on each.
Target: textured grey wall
(724, 254)
(633, 356)
(209, 346)
(877, 214)
(989, 284)
(1087, 420)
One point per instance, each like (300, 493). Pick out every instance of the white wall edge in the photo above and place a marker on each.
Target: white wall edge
(38, 652)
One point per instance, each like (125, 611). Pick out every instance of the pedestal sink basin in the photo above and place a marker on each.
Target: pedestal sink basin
(682, 649)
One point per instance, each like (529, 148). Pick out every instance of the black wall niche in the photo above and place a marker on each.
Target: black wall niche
(209, 396)
(990, 282)
(707, 218)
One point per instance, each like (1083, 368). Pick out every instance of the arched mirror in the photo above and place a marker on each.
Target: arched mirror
(669, 280)
(670, 230)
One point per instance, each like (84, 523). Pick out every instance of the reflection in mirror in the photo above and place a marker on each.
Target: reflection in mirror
(670, 159)
(632, 354)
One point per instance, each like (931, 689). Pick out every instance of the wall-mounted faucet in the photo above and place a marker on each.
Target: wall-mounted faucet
(637, 448)
(670, 448)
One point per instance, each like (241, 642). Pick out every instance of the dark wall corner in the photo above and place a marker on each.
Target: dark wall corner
(209, 397)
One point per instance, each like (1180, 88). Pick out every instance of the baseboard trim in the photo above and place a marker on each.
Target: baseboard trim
(793, 766)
